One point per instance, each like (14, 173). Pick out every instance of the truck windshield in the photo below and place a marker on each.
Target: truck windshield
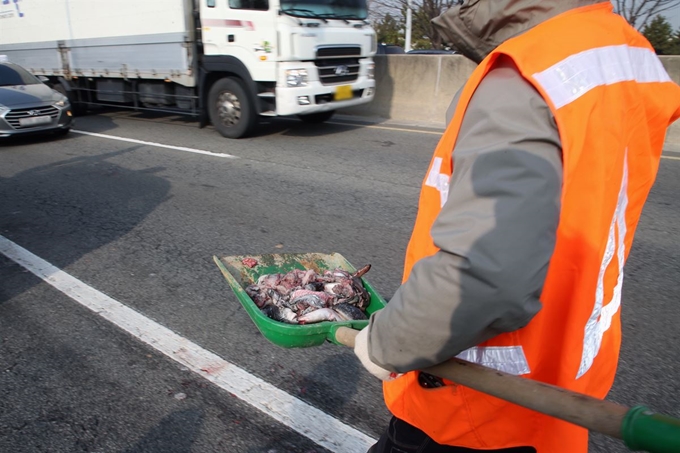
(326, 9)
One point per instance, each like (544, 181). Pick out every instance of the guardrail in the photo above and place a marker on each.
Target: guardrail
(420, 88)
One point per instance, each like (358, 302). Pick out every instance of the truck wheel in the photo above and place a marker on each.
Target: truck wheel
(316, 118)
(230, 109)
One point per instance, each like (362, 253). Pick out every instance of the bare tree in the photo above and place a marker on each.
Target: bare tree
(423, 11)
(422, 20)
(639, 12)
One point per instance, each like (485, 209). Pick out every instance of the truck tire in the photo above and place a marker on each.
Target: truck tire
(317, 118)
(230, 109)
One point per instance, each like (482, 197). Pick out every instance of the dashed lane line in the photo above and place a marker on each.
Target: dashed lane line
(323, 429)
(230, 156)
(387, 128)
(421, 131)
(159, 145)
(209, 153)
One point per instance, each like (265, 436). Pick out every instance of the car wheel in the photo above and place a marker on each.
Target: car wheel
(230, 109)
(317, 118)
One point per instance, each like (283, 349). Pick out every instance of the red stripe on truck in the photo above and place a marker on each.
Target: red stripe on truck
(228, 23)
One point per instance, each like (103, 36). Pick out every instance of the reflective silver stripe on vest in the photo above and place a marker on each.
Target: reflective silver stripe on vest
(509, 359)
(574, 76)
(601, 318)
(438, 180)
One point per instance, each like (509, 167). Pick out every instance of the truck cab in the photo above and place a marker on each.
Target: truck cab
(306, 58)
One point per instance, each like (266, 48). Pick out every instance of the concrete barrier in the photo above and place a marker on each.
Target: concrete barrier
(419, 88)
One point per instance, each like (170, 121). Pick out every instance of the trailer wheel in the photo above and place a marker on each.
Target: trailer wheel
(317, 118)
(230, 109)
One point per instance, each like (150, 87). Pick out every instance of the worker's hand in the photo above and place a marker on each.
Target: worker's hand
(361, 351)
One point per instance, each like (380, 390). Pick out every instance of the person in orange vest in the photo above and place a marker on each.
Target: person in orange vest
(525, 220)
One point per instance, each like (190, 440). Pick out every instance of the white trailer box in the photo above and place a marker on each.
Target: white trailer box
(91, 38)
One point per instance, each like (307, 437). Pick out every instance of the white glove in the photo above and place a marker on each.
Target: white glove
(361, 351)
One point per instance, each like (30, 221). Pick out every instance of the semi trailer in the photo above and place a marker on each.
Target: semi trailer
(225, 62)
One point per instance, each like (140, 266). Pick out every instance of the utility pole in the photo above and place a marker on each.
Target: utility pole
(407, 38)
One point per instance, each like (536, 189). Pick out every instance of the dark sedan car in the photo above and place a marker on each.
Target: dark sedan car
(431, 52)
(28, 106)
(389, 49)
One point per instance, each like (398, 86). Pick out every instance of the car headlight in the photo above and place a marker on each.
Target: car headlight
(60, 103)
(370, 71)
(296, 77)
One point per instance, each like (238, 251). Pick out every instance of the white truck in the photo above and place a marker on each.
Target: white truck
(224, 61)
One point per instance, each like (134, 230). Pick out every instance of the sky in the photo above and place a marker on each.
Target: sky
(673, 16)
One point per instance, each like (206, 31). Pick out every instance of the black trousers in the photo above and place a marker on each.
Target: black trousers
(401, 437)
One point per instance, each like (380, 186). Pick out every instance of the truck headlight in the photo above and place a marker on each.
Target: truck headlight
(370, 71)
(296, 77)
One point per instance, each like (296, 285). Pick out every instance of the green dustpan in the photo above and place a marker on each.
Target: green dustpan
(239, 276)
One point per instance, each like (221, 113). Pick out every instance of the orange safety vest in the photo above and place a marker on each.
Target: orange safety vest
(612, 101)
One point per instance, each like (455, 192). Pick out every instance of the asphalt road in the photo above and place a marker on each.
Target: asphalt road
(139, 223)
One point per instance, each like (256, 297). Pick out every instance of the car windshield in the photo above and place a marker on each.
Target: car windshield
(326, 9)
(14, 75)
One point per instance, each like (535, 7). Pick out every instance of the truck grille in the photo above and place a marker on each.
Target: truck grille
(338, 64)
(338, 52)
(15, 115)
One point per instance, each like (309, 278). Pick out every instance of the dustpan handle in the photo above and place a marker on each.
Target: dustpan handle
(593, 414)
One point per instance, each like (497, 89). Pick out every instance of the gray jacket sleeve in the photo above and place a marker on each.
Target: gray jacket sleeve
(496, 233)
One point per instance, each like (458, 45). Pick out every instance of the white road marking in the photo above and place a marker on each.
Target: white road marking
(229, 156)
(419, 131)
(159, 145)
(387, 128)
(307, 420)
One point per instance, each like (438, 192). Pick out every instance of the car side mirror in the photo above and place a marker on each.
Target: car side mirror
(43, 79)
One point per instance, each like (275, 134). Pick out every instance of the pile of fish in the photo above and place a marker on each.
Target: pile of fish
(305, 297)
